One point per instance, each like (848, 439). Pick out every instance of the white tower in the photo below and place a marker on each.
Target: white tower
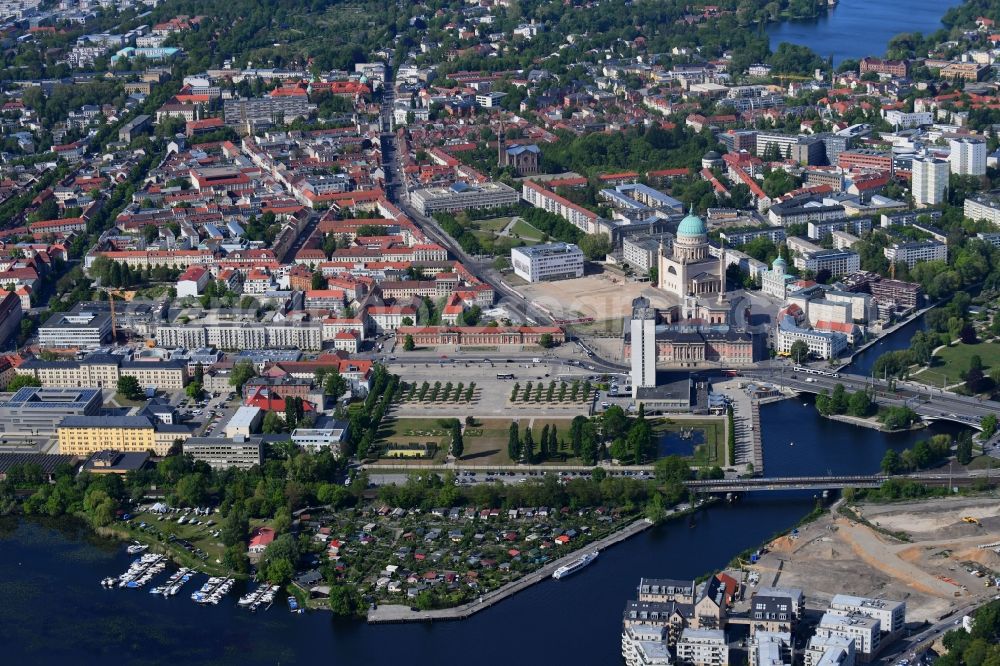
(643, 340)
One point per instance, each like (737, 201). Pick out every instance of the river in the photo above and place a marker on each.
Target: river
(858, 28)
(54, 608)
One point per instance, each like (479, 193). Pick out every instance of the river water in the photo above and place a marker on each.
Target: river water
(858, 28)
(55, 609)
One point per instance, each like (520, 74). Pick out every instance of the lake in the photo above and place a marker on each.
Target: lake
(858, 28)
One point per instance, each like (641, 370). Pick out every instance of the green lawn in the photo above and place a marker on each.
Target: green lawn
(495, 225)
(526, 231)
(950, 363)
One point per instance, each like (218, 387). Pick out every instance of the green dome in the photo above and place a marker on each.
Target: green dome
(692, 225)
(779, 264)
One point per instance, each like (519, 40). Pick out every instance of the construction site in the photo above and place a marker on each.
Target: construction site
(936, 555)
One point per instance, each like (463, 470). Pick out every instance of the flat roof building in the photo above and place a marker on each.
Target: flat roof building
(551, 261)
(244, 422)
(81, 328)
(463, 196)
(703, 647)
(34, 413)
(224, 452)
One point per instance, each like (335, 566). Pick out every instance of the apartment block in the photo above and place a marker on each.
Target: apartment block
(551, 261)
(703, 647)
(911, 253)
(223, 452)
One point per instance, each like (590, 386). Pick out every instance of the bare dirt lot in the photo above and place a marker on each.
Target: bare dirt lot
(931, 571)
(600, 296)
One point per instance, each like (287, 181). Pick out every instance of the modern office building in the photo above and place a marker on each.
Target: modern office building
(463, 196)
(315, 439)
(32, 414)
(551, 261)
(930, 179)
(224, 452)
(84, 327)
(968, 156)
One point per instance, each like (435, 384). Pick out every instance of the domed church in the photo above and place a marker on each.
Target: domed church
(691, 271)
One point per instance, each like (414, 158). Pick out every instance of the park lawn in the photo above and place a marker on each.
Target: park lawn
(950, 363)
(494, 225)
(416, 431)
(713, 451)
(486, 443)
(526, 231)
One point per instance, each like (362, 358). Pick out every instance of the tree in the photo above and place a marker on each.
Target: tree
(344, 600)
(528, 446)
(408, 344)
(545, 340)
(799, 351)
(513, 443)
(194, 390)
(20, 381)
(859, 404)
(235, 559)
(615, 422)
(317, 281)
(672, 469)
(963, 449)
(595, 246)
(334, 384)
(241, 373)
(891, 463)
(191, 490)
(129, 387)
(272, 423)
(543, 443)
(989, 426)
(457, 445)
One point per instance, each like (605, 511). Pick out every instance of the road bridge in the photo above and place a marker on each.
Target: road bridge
(930, 403)
(787, 483)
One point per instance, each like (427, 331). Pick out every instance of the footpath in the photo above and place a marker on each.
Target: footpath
(395, 613)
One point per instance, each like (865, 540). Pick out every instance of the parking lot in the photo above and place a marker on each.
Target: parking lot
(208, 416)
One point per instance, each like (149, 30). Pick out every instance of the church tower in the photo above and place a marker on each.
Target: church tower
(722, 272)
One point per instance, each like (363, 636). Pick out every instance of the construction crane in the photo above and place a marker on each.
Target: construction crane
(112, 292)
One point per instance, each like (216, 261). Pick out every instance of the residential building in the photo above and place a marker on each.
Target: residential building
(743, 236)
(864, 630)
(224, 452)
(463, 196)
(900, 119)
(104, 371)
(192, 281)
(645, 645)
(540, 197)
(802, 149)
(967, 156)
(930, 179)
(550, 261)
(829, 650)
(890, 614)
(822, 344)
(838, 262)
(771, 649)
(643, 346)
(703, 647)
(641, 252)
(911, 253)
(818, 229)
(983, 207)
(897, 68)
(776, 610)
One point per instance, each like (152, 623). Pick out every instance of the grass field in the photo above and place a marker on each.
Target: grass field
(950, 363)
(525, 231)
(494, 225)
(414, 431)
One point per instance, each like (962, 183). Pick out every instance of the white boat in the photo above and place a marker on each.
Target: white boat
(135, 548)
(574, 566)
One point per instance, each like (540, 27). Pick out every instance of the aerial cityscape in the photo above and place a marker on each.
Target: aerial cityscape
(654, 332)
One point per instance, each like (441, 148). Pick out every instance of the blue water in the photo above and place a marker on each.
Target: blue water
(858, 28)
(671, 443)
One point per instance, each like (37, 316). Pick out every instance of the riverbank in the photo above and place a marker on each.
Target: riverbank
(930, 569)
(393, 613)
(871, 422)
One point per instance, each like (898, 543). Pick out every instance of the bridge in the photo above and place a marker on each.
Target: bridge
(930, 403)
(787, 483)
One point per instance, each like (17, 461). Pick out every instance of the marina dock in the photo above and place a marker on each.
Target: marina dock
(395, 613)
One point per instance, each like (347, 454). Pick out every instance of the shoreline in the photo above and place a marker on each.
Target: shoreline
(871, 424)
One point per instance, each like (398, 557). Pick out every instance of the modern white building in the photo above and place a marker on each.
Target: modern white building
(703, 647)
(930, 179)
(829, 650)
(314, 439)
(642, 336)
(891, 614)
(903, 120)
(193, 281)
(866, 631)
(911, 253)
(771, 648)
(552, 261)
(244, 422)
(645, 645)
(968, 156)
(838, 262)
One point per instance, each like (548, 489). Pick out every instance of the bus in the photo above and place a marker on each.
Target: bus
(505, 376)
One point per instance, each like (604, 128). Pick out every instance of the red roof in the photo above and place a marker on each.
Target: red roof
(262, 536)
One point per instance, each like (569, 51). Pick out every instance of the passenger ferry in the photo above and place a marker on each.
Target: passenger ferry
(574, 566)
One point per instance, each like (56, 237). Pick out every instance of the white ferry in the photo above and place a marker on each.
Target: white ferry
(574, 566)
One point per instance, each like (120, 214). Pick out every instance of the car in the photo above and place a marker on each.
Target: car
(605, 404)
